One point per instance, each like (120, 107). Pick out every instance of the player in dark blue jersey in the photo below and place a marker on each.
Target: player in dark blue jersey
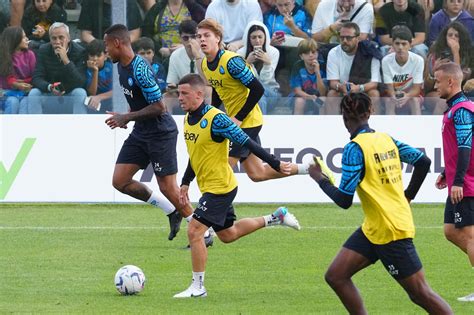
(154, 135)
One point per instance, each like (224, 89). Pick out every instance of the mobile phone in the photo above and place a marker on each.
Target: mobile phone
(319, 102)
(279, 33)
(58, 86)
(257, 48)
(87, 101)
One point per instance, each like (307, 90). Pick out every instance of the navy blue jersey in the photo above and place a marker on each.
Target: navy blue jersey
(140, 88)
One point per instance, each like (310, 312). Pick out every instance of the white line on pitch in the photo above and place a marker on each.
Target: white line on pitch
(65, 228)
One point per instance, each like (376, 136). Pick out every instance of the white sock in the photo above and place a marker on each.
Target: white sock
(198, 280)
(206, 234)
(268, 219)
(161, 202)
(303, 168)
(188, 219)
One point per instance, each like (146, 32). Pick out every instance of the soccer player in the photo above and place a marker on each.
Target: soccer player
(207, 132)
(235, 86)
(371, 164)
(458, 174)
(154, 135)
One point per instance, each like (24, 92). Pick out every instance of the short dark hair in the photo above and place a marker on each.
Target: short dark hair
(118, 31)
(95, 47)
(352, 25)
(356, 106)
(144, 43)
(192, 79)
(401, 32)
(188, 27)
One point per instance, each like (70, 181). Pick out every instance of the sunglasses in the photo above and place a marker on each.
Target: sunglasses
(188, 37)
(347, 37)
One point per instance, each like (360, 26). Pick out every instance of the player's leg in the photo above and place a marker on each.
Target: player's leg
(169, 188)
(356, 254)
(123, 181)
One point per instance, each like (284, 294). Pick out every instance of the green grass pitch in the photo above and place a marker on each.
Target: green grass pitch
(62, 258)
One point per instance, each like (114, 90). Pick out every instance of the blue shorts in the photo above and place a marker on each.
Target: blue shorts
(398, 257)
(460, 214)
(238, 151)
(159, 151)
(216, 211)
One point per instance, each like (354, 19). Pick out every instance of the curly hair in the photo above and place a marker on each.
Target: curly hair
(10, 39)
(356, 106)
(441, 43)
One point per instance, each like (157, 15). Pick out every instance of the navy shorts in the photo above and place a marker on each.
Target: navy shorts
(460, 214)
(216, 211)
(398, 257)
(159, 151)
(237, 151)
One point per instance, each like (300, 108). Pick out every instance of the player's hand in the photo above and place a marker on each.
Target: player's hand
(236, 121)
(441, 182)
(316, 172)
(285, 168)
(116, 120)
(456, 194)
(183, 195)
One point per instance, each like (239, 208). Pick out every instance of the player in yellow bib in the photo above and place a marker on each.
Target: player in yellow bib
(235, 86)
(207, 132)
(371, 165)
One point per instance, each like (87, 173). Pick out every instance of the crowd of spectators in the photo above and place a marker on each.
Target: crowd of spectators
(306, 53)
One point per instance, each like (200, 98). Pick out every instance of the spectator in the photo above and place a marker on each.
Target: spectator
(3, 21)
(145, 47)
(403, 75)
(38, 17)
(453, 44)
(331, 14)
(17, 7)
(266, 5)
(288, 17)
(162, 24)
(60, 70)
(234, 16)
(406, 12)
(453, 11)
(353, 66)
(99, 79)
(307, 80)
(263, 58)
(146, 5)
(17, 64)
(93, 24)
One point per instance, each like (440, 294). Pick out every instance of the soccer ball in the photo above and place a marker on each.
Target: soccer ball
(129, 280)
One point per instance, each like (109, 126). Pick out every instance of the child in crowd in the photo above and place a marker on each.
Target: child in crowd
(37, 19)
(306, 80)
(145, 47)
(17, 64)
(99, 78)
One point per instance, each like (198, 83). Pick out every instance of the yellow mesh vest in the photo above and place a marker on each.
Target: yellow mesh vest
(388, 215)
(209, 159)
(232, 92)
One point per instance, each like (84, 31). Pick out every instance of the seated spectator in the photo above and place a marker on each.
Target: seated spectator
(145, 47)
(162, 24)
(406, 12)
(331, 14)
(234, 16)
(38, 17)
(60, 71)
(17, 64)
(453, 44)
(453, 11)
(288, 18)
(92, 25)
(403, 75)
(99, 78)
(306, 80)
(352, 66)
(263, 58)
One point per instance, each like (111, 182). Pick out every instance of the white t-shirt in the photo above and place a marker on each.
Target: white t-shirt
(179, 66)
(234, 17)
(403, 77)
(339, 66)
(326, 14)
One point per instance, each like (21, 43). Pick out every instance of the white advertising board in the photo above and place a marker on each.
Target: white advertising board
(68, 158)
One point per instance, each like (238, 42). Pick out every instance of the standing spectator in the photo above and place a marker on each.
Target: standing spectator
(453, 11)
(234, 16)
(453, 44)
(38, 17)
(60, 71)
(409, 13)
(162, 24)
(353, 66)
(331, 14)
(145, 47)
(17, 64)
(289, 18)
(403, 75)
(263, 58)
(99, 79)
(93, 24)
(307, 80)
